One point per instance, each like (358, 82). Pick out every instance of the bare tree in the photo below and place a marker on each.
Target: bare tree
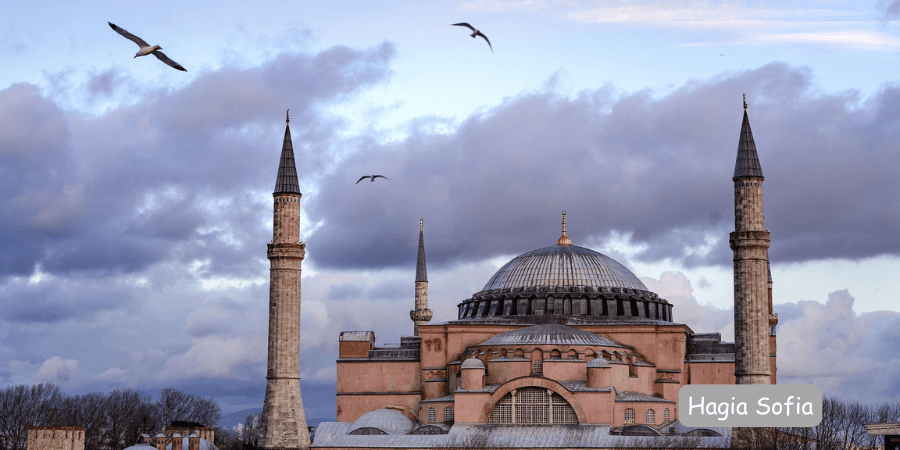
(87, 411)
(24, 406)
(177, 405)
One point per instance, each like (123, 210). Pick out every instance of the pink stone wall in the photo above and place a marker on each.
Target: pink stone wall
(565, 370)
(351, 407)
(55, 438)
(378, 376)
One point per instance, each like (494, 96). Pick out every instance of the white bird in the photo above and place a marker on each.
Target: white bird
(373, 177)
(146, 48)
(474, 33)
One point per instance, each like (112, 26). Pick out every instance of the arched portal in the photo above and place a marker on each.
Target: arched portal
(532, 406)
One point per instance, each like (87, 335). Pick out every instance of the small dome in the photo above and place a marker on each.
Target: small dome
(549, 334)
(600, 363)
(472, 363)
(388, 421)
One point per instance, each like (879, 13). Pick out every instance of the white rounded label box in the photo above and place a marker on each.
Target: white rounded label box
(750, 405)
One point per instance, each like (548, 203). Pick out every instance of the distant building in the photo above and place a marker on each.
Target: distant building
(178, 438)
(55, 438)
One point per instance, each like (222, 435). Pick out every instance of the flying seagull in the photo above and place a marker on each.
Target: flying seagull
(474, 33)
(146, 48)
(373, 177)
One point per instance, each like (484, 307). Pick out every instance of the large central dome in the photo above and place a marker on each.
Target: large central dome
(564, 283)
(559, 265)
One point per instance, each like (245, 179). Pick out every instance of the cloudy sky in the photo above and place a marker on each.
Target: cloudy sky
(135, 200)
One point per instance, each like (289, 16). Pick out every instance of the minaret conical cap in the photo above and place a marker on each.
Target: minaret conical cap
(747, 164)
(421, 271)
(286, 181)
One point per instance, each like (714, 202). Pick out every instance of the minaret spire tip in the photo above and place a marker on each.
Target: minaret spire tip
(421, 221)
(564, 240)
(745, 102)
(288, 119)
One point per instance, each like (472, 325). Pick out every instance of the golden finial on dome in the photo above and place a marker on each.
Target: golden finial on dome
(564, 240)
(288, 120)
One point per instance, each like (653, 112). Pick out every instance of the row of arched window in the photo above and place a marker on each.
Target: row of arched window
(649, 417)
(566, 306)
(448, 415)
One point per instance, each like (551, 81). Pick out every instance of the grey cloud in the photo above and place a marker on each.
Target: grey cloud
(171, 177)
(344, 291)
(657, 168)
(890, 10)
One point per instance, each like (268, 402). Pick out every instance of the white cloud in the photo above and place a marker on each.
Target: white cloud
(113, 374)
(57, 369)
(238, 357)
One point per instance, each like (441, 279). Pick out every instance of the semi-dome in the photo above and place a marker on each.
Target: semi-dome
(549, 334)
(563, 284)
(381, 421)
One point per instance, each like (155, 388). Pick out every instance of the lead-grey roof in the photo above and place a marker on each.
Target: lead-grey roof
(563, 266)
(550, 334)
(467, 436)
(747, 164)
(628, 396)
(286, 181)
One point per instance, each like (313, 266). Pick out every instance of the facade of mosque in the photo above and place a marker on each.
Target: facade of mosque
(563, 347)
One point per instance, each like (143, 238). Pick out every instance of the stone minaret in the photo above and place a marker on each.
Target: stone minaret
(283, 422)
(750, 242)
(421, 315)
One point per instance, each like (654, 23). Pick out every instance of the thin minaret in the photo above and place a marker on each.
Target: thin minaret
(421, 315)
(750, 243)
(283, 421)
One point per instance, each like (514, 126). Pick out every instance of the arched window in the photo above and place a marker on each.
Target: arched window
(650, 417)
(666, 415)
(533, 406)
(448, 414)
(583, 306)
(431, 415)
(629, 415)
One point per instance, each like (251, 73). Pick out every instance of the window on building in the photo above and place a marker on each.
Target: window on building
(629, 415)
(666, 415)
(448, 414)
(650, 417)
(431, 415)
(533, 406)
(583, 304)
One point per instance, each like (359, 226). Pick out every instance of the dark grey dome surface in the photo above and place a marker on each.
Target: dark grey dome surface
(550, 334)
(563, 266)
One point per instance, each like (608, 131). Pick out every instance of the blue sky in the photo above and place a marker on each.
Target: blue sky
(136, 199)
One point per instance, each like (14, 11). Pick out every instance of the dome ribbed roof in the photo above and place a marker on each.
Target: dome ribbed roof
(550, 334)
(559, 265)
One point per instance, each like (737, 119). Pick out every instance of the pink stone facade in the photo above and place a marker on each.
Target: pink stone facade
(652, 363)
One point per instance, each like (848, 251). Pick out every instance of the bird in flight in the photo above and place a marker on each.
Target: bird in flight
(474, 33)
(373, 177)
(146, 48)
